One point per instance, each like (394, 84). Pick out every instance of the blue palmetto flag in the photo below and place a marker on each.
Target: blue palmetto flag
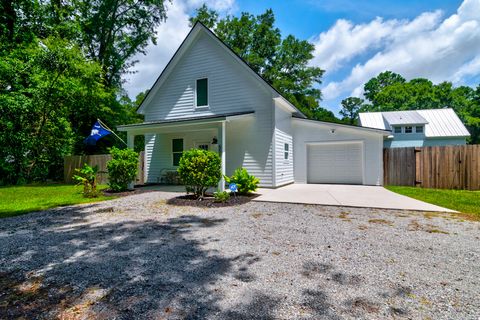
(98, 131)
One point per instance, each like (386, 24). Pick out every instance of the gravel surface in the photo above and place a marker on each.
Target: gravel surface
(139, 257)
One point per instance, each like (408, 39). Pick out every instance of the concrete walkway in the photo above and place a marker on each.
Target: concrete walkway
(345, 195)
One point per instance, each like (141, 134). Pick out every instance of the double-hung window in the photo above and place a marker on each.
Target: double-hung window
(408, 129)
(177, 151)
(397, 129)
(419, 129)
(286, 151)
(201, 88)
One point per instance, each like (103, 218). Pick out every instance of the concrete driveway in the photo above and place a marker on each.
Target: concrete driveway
(345, 195)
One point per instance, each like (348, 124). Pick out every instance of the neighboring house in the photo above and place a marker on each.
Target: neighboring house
(207, 97)
(418, 128)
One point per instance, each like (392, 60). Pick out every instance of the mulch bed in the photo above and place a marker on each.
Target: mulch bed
(209, 201)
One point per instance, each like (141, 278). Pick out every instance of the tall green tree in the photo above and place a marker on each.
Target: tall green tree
(114, 31)
(41, 84)
(61, 63)
(380, 82)
(282, 62)
(351, 106)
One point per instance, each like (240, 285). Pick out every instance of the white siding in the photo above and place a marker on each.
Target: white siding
(305, 132)
(232, 88)
(158, 150)
(283, 135)
(249, 145)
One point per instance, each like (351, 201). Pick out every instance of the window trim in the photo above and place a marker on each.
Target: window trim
(173, 152)
(400, 127)
(198, 143)
(208, 93)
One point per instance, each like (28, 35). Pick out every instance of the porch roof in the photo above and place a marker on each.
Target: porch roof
(181, 121)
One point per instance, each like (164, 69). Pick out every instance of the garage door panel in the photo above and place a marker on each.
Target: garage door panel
(335, 163)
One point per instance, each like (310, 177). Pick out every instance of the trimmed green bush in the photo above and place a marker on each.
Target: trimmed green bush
(199, 170)
(245, 182)
(122, 169)
(87, 176)
(221, 196)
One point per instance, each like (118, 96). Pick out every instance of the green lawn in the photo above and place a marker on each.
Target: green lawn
(460, 200)
(17, 200)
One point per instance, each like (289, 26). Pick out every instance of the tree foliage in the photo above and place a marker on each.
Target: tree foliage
(61, 64)
(42, 85)
(282, 62)
(390, 92)
(350, 108)
(113, 31)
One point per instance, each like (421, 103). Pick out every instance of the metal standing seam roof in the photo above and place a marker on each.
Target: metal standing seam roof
(403, 117)
(438, 122)
(443, 123)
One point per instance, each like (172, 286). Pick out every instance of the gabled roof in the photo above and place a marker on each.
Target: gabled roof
(438, 122)
(187, 42)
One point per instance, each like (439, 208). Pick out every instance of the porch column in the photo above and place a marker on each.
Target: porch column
(130, 145)
(222, 149)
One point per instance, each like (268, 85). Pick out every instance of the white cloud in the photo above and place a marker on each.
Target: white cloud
(170, 35)
(219, 5)
(427, 46)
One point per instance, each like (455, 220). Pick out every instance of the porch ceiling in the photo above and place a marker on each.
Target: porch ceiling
(195, 123)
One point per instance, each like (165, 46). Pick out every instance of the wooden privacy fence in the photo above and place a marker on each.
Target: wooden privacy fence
(446, 167)
(70, 163)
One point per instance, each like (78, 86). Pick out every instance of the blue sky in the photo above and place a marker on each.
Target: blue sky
(306, 18)
(354, 40)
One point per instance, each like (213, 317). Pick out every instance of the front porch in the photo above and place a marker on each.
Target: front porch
(166, 140)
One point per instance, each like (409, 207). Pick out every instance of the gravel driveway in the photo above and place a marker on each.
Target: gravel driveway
(138, 257)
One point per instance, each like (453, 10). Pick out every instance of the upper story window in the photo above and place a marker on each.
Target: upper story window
(201, 89)
(419, 129)
(408, 129)
(397, 129)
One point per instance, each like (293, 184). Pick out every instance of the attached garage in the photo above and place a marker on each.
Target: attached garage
(326, 152)
(332, 162)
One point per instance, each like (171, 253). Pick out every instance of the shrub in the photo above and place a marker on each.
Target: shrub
(221, 196)
(122, 169)
(199, 170)
(87, 176)
(245, 182)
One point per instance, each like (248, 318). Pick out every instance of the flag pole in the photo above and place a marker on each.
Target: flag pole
(106, 127)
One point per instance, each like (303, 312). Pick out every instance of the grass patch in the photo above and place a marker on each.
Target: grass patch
(465, 201)
(381, 221)
(344, 216)
(16, 200)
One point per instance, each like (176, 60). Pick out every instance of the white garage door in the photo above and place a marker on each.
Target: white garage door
(335, 163)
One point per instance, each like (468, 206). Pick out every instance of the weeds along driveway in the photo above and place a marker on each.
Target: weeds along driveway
(138, 257)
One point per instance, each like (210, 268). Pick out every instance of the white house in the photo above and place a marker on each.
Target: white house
(418, 128)
(208, 97)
